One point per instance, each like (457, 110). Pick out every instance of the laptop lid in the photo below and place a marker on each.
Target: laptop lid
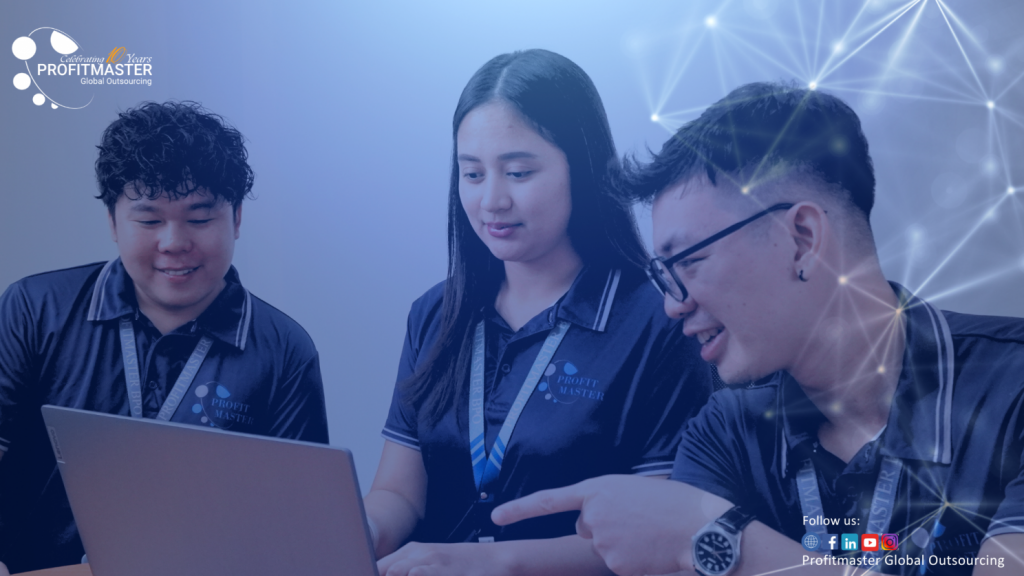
(158, 498)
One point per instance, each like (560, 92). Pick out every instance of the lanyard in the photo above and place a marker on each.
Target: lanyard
(882, 501)
(486, 467)
(130, 357)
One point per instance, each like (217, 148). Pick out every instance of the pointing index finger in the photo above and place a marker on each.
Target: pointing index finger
(539, 503)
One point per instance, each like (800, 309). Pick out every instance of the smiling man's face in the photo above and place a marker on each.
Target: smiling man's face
(176, 252)
(740, 288)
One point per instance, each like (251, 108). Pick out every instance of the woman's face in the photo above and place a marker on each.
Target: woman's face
(514, 185)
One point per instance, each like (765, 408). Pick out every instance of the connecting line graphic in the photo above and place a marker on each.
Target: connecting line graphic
(822, 75)
(913, 51)
(984, 220)
(959, 512)
(942, 10)
(916, 52)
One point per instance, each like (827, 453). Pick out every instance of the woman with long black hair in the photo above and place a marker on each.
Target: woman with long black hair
(545, 357)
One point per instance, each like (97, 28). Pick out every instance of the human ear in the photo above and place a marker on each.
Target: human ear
(809, 228)
(238, 219)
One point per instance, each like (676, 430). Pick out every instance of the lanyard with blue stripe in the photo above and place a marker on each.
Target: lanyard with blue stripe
(882, 501)
(130, 357)
(487, 466)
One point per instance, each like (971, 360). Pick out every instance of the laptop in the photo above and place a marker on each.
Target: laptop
(157, 498)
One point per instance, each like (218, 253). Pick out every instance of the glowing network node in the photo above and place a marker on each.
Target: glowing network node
(1010, 190)
(745, 190)
(654, 117)
(813, 85)
(881, 369)
(711, 21)
(843, 280)
(837, 47)
(990, 104)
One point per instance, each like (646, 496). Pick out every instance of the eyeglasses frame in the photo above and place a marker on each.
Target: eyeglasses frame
(669, 263)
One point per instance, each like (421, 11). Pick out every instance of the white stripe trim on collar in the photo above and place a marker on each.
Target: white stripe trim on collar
(611, 285)
(943, 405)
(98, 293)
(242, 334)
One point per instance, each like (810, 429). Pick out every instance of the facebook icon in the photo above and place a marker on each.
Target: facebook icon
(833, 542)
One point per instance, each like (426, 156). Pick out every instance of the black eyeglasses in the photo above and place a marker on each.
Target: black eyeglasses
(662, 272)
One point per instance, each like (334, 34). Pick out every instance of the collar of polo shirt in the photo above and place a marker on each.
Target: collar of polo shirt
(918, 427)
(227, 319)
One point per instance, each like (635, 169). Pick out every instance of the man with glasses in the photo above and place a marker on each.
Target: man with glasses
(881, 433)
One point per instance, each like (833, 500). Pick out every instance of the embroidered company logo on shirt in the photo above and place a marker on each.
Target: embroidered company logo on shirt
(59, 78)
(564, 384)
(218, 410)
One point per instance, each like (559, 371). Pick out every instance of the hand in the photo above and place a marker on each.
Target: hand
(3, 570)
(465, 559)
(637, 525)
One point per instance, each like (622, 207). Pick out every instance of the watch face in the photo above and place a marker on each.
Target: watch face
(714, 553)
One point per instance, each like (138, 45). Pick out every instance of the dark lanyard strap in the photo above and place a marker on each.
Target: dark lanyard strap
(486, 466)
(133, 380)
(882, 502)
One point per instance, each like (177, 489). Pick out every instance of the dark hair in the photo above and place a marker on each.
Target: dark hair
(559, 100)
(172, 148)
(765, 125)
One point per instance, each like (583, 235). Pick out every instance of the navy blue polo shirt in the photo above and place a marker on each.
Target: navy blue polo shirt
(614, 400)
(59, 344)
(956, 423)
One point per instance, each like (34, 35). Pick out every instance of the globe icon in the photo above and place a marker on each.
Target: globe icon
(811, 542)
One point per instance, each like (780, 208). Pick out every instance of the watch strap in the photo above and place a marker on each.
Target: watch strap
(735, 520)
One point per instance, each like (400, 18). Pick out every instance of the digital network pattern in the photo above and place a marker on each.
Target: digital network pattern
(939, 86)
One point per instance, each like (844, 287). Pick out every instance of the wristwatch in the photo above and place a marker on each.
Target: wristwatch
(716, 546)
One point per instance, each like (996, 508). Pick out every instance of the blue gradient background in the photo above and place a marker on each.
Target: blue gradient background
(347, 109)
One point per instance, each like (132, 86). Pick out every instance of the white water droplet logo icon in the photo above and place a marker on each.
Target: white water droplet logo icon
(62, 44)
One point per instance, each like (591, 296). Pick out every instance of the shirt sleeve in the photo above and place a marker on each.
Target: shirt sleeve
(1009, 516)
(400, 427)
(299, 409)
(678, 384)
(708, 457)
(16, 335)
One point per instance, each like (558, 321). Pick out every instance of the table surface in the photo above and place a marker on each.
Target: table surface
(73, 570)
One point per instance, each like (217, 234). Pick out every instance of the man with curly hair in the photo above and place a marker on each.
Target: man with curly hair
(114, 337)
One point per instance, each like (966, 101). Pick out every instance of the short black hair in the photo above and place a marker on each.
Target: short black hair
(172, 149)
(757, 127)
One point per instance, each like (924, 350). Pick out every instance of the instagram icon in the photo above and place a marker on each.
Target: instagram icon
(890, 541)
